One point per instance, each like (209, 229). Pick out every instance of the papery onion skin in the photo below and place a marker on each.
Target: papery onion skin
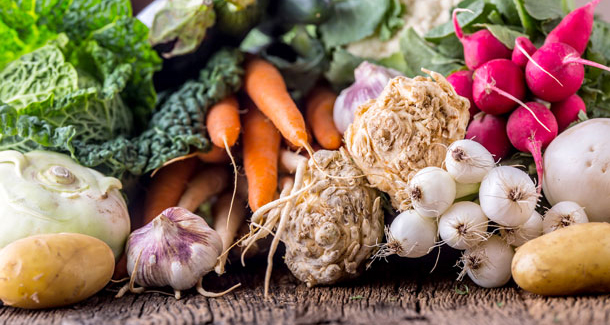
(369, 83)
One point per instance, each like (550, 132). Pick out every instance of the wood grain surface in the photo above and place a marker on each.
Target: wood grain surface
(398, 292)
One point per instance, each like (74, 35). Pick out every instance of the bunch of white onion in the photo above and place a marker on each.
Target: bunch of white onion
(440, 205)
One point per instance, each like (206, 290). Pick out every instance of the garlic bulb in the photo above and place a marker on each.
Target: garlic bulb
(176, 249)
(370, 81)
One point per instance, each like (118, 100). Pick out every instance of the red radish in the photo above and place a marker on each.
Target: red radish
(462, 83)
(575, 28)
(555, 72)
(522, 43)
(526, 133)
(480, 46)
(566, 111)
(498, 86)
(490, 131)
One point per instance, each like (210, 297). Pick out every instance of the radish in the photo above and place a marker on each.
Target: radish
(522, 44)
(468, 161)
(575, 28)
(462, 83)
(554, 72)
(526, 133)
(490, 131)
(567, 110)
(563, 214)
(488, 264)
(480, 46)
(498, 86)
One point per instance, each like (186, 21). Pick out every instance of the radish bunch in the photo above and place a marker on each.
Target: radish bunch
(508, 86)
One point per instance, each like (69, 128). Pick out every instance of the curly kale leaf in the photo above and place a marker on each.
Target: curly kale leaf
(176, 126)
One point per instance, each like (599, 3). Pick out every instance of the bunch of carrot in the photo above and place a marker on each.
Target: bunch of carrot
(270, 115)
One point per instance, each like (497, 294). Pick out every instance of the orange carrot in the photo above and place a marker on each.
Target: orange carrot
(215, 155)
(205, 184)
(267, 89)
(224, 127)
(320, 117)
(223, 122)
(261, 151)
(167, 187)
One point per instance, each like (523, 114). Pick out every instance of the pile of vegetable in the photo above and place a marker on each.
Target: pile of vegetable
(78, 79)
(268, 122)
(553, 73)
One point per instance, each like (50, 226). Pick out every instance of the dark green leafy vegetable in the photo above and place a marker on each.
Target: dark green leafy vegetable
(419, 54)
(392, 21)
(304, 11)
(301, 59)
(543, 9)
(508, 11)
(527, 21)
(183, 23)
(353, 20)
(479, 9)
(176, 126)
(237, 21)
(504, 34)
(596, 89)
(341, 70)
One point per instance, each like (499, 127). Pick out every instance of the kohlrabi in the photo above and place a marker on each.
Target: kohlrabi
(46, 192)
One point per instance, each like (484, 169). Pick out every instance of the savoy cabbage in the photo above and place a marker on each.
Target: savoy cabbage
(77, 77)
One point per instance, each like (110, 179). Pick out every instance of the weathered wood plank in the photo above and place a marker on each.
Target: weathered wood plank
(399, 292)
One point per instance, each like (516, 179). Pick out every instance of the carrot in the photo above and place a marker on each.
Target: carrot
(267, 89)
(167, 187)
(223, 213)
(205, 184)
(261, 151)
(223, 122)
(215, 155)
(320, 117)
(223, 127)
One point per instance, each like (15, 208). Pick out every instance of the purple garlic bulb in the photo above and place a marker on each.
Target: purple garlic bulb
(176, 249)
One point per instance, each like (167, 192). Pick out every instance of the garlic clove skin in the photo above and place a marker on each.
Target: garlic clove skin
(176, 249)
(370, 80)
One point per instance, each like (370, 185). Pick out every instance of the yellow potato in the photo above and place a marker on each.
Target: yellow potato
(53, 270)
(568, 261)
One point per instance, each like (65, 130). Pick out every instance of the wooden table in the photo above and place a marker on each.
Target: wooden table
(401, 291)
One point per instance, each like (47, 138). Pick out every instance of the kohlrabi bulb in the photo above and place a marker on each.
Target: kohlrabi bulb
(47, 192)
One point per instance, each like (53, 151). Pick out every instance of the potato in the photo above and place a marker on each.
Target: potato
(53, 270)
(568, 261)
